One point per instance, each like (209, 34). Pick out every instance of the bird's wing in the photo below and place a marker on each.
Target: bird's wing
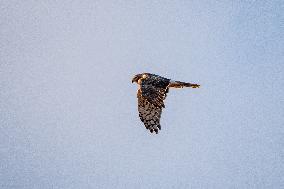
(154, 95)
(149, 113)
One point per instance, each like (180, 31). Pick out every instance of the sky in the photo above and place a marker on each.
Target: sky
(68, 109)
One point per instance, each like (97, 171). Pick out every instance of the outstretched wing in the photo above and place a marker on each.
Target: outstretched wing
(149, 113)
(150, 104)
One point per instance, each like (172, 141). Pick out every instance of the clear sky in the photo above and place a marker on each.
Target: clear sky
(68, 109)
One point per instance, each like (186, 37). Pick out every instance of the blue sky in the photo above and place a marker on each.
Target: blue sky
(69, 110)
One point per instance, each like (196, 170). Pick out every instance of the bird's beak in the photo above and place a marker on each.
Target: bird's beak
(134, 79)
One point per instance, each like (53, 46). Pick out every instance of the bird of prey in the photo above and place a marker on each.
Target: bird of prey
(151, 94)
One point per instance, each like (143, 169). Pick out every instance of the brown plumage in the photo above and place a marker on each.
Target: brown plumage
(151, 94)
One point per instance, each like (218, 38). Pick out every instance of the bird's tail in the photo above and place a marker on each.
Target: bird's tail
(179, 84)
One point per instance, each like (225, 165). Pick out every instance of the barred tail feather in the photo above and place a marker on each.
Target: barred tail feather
(179, 84)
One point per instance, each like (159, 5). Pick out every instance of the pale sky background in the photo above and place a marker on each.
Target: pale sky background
(69, 110)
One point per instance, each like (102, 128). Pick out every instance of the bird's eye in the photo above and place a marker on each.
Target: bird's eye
(144, 76)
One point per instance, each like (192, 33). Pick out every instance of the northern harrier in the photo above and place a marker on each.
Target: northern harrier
(151, 94)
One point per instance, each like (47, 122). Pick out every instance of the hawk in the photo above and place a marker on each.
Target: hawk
(151, 94)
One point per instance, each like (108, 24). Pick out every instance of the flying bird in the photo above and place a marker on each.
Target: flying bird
(151, 94)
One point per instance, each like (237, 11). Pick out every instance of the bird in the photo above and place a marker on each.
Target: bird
(151, 94)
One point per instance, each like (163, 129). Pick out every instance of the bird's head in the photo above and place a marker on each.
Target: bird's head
(139, 77)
